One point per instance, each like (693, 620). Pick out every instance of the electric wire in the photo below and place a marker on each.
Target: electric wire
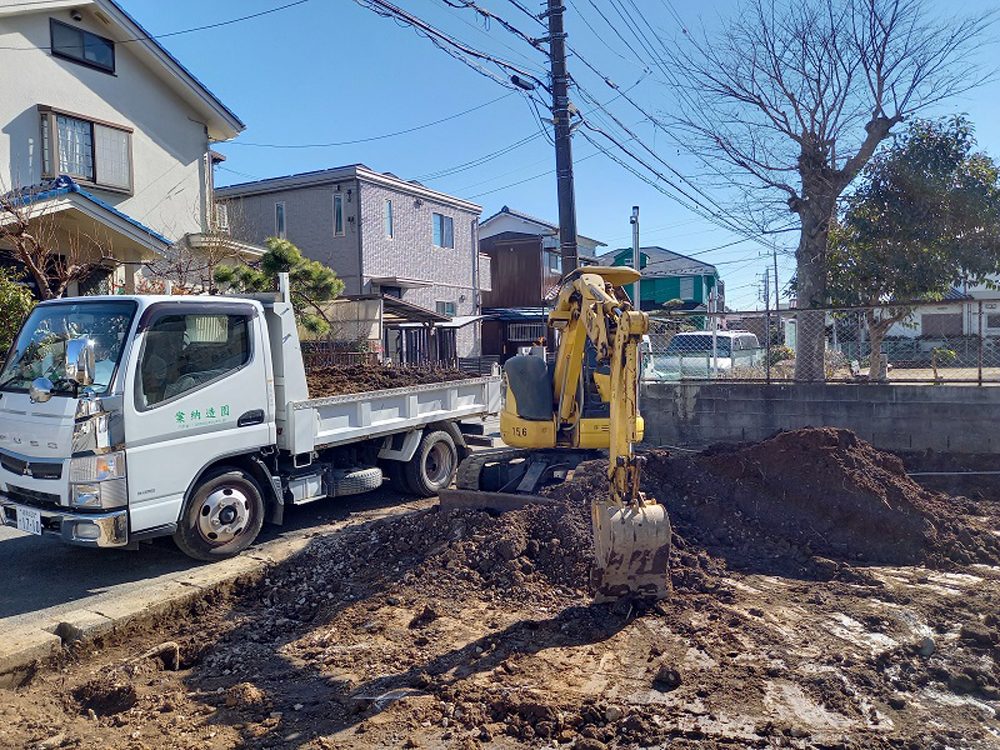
(376, 137)
(487, 16)
(156, 37)
(479, 161)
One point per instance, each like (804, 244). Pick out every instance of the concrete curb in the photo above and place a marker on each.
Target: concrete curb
(25, 649)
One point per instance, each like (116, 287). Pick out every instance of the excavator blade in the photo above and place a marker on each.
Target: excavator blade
(632, 546)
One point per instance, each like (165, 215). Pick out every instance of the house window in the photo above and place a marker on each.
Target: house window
(279, 220)
(687, 288)
(338, 215)
(388, 219)
(444, 231)
(446, 308)
(392, 291)
(81, 46)
(521, 332)
(222, 217)
(993, 320)
(554, 262)
(96, 152)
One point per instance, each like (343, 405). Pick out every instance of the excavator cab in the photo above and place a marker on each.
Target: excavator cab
(556, 415)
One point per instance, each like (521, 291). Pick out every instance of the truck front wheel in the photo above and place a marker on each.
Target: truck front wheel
(221, 517)
(433, 465)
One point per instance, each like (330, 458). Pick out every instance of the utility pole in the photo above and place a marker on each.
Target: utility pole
(564, 147)
(777, 306)
(636, 256)
(767, 324)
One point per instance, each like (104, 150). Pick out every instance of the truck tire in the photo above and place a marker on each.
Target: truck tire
(222, 516)
(433, 466)
(396, 472)
(356, 481)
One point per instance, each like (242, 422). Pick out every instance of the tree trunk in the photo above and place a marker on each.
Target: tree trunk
(810, 325)
(877, 330)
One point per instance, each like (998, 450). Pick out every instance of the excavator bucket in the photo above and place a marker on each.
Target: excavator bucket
(632, 547)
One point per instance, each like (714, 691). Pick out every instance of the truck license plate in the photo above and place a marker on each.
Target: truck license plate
(29, 520)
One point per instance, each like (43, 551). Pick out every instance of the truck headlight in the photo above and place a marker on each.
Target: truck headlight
(102, 495)
(89, 469)
(98, 481)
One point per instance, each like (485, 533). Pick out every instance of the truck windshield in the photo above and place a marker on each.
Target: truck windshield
(698, 343)
(40, 349)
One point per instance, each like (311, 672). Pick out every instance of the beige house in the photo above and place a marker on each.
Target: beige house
(105, 138)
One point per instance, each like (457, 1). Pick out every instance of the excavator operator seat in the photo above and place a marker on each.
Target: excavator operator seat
(529, 381)
(527, 419)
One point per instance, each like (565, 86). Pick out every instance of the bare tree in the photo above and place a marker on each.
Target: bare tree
(190, 265)
(792, 99)
(53, 256)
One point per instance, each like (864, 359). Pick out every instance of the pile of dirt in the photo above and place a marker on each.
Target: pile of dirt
(335, 380)
(811, 501)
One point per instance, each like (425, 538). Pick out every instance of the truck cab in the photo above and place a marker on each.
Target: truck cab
(108, 405)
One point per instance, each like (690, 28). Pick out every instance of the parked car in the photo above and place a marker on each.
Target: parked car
(703, 354)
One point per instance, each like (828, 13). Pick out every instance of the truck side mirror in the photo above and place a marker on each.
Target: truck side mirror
(81, 363)
(40, 390)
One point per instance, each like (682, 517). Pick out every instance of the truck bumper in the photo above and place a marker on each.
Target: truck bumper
(108, 529)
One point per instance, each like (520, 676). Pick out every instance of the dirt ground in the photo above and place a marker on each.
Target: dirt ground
(335, 380)
(822, 599)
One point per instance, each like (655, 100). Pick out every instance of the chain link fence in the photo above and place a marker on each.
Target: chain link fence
(951, 341)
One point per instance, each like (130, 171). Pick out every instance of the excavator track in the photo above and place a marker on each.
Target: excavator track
(470, 470)
(509, 487)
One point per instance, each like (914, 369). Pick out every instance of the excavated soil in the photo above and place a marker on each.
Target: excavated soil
(821, 600)
(335, 380)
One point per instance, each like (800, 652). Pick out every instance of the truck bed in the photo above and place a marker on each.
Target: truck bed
(336, 420)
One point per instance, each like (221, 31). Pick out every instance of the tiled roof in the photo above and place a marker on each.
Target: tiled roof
(64, 185)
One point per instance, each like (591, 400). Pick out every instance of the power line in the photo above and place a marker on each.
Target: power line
(528, 13)
(376, 137)
(487, 16)
(614, 28)
(449, 171)
(447, 43)
(219, 24)
(529, 179)
(658, 125)
(692, 204)
(489, 157)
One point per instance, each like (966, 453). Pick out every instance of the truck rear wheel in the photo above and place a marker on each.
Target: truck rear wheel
(222, 516)
(433, 466)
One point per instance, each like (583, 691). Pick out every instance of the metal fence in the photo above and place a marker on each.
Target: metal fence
(952, 341)
(326, 353)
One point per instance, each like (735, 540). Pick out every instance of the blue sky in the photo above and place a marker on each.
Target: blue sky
(330, 71)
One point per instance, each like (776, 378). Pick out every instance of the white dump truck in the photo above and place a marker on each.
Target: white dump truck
(131, 417)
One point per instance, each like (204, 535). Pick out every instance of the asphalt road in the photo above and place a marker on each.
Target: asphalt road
(40, 577)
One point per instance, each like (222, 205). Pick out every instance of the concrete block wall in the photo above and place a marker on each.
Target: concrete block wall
(961, 419)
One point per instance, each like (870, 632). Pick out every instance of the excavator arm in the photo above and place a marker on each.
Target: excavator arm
(631, 536)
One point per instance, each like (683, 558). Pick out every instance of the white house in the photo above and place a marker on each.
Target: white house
(88, 97)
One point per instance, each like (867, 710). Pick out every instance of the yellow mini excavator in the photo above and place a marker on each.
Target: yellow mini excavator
(557, 415)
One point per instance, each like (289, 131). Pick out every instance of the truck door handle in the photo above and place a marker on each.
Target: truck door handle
(248, 418)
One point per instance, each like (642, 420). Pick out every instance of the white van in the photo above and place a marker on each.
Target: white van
(704, 354)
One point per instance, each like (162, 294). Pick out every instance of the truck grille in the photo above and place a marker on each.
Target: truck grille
(42, 500)
(35, 469)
